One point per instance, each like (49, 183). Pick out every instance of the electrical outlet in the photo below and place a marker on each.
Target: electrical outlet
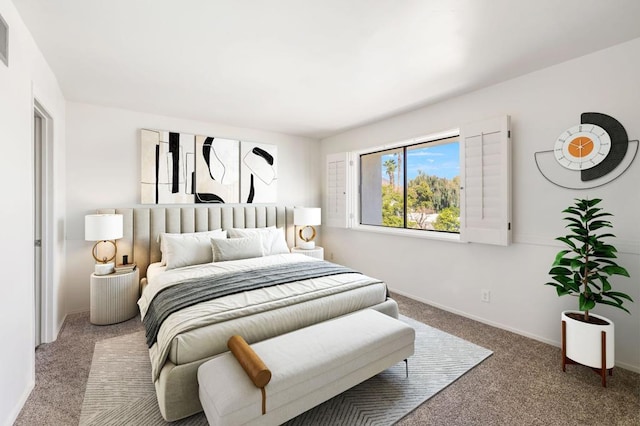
(485, 296)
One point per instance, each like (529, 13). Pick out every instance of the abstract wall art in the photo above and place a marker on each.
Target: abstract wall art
(167, 167)
(217, 170)
(180, 168)
(258, 173)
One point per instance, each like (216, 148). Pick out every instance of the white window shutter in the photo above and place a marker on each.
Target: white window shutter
(485, 197)
(337, 209)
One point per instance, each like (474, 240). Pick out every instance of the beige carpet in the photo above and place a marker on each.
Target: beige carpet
(120, 392)
(520, 384)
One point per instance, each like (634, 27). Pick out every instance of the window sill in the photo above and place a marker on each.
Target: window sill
(414, 233)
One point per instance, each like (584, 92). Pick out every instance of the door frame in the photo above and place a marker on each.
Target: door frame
(47, 322)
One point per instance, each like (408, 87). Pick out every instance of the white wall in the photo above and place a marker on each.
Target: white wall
(451, 275)
(103, 170)
(27, 76)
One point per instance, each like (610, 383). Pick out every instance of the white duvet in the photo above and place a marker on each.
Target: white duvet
(236, 305)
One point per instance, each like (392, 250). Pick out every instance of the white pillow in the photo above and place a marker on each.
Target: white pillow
(273, 240)
(204, 235)
(237, 248)
(180, 250)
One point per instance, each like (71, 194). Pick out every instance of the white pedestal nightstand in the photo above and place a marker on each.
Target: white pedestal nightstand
(114, 297)
(317, 252)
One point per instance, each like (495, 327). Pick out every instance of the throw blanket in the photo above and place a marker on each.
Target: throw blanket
(196, 290)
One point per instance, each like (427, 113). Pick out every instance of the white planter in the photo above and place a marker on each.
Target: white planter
(584, 341)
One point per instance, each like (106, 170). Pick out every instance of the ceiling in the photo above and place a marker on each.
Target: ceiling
(304, 67)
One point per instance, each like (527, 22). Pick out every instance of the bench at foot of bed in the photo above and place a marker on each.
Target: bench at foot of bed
(308, 366)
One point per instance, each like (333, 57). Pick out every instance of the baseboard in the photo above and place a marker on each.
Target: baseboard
(13, 416)
(557, 344)
(59, 327)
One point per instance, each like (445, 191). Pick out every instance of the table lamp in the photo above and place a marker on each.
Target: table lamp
(307, 217)
(103, 228)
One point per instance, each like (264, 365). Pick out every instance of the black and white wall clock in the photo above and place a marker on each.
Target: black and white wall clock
(587, 155)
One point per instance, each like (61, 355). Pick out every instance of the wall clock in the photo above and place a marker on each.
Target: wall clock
(582, 146)
(588, 154)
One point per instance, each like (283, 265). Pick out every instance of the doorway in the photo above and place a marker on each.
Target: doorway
(37, 224)
(42, 135)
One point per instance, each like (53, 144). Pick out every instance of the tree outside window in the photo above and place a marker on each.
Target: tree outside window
(431, 193)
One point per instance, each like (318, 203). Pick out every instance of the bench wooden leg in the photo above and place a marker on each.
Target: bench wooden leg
(406, 367)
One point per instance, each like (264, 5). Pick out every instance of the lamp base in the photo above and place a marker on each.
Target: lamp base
(307, 245)
(104, 268)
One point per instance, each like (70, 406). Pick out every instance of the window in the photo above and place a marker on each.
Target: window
(413, 186)
(457, 183)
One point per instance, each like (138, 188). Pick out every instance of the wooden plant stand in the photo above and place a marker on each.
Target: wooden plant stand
(602, 371)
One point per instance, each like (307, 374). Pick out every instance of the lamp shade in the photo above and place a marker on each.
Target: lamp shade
(102, 227)
(305, 216)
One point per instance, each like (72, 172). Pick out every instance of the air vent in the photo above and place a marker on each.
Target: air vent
(4, 41)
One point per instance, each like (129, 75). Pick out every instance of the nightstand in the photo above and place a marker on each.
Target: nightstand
(114, 297)
(317, 252)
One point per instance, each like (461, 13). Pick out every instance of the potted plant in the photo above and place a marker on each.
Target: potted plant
(583, 269)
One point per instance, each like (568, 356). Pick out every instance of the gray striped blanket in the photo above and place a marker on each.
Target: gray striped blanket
(196, 290)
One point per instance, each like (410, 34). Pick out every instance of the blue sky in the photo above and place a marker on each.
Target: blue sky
(439, 160)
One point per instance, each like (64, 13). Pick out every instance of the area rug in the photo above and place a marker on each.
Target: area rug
(120, 391)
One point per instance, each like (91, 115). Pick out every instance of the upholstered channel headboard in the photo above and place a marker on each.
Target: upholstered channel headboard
(143, 225)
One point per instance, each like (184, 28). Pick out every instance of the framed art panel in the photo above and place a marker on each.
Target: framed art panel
(167, 167)
(258, 173)
(217, 177)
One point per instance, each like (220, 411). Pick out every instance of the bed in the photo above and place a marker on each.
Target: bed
(257, 296)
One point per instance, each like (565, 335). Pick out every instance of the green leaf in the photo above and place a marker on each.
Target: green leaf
(593, 285)
(615, 270)
(615, 299)
(576, 264)
(573, 222)
(605, 262)
(558, 270)
(573, 210)
(618, 294)
(581, 231)
(585, 304)
(567, 241)
(562, 279)
(606, 286)
(561, 290)
(599, 224)
(565, 261)
(581, 239)
(606, 236)
(560, 255)
(607, 302)
(574, 285)
(607, 254)
(595, 216)
(590, 213)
